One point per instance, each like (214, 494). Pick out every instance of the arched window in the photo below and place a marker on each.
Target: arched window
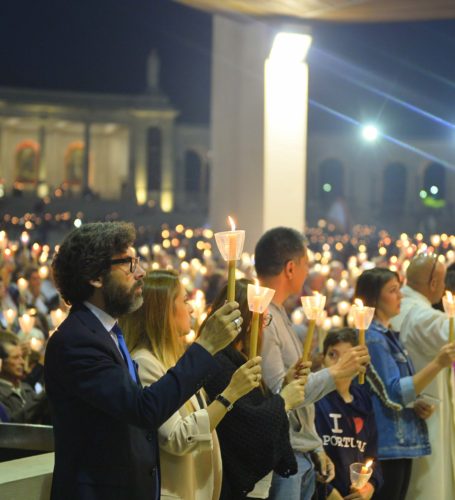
(394, 186)
(194, 174)
(154, 159)
(27, 162)
(434, 181)
(74, 163)
(331, 179)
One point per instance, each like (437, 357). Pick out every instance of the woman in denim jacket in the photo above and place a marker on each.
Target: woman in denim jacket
(400, 412)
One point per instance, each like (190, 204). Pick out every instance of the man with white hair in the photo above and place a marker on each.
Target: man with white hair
(423, 331)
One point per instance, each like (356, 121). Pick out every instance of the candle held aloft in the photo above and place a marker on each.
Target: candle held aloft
(313, 306)
(10, 316)
(362, 318)
(259, 297)
(230, 245)
(366, 468)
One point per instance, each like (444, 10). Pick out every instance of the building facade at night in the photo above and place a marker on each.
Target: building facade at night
(115, 147)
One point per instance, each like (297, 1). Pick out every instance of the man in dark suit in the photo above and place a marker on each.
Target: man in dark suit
(105, 423)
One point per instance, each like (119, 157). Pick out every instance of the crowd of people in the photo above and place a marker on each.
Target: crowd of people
(136, 358)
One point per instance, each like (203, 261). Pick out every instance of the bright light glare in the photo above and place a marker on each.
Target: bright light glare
(290, 47)
(77, 222)
(434, 190)
(370, 133)
(327, 187)
(423, 194)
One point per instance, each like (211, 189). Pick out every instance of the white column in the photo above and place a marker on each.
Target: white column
(285, 145)
(259, 162)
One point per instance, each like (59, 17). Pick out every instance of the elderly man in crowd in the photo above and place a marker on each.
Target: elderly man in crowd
(424, 330)
(282, 264)
(19, 400)
(105, 423)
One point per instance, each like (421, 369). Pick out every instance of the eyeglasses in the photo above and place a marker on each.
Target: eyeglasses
(266, 319)
(132, 261)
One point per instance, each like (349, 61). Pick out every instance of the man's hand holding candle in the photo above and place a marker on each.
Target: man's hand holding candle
(221, 328)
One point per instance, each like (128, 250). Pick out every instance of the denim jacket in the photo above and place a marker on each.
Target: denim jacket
(402, 434)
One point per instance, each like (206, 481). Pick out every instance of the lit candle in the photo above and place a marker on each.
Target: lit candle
(297, 316)
(360, 474)
(43, 272)
(22, 284)
(259, 298)
(3, 240)
(57, 316)
(362, 319)
(232, 254)
(36, 344)
(26, 323)
(25, 238)
(230, 245)
(343, 307)
(366, 468)
(313, 305)
(449, 307)
(10, 316)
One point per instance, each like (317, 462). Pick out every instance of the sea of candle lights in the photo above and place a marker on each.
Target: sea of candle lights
(338, 258)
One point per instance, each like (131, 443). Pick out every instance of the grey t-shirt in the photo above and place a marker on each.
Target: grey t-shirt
(281, 349)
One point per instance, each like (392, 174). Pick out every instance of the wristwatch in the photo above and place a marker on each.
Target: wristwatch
(225, 402)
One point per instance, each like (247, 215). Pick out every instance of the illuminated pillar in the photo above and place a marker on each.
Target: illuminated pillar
(258, 126)
(285, 131)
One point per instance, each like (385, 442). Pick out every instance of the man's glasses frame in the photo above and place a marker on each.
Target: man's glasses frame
(132, 261)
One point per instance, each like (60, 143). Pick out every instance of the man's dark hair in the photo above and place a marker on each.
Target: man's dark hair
(276, 248)
(338, 335)
(370, 283)
(85, 255)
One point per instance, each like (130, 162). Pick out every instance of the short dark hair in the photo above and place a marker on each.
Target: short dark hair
(275, 248)
(85, 255)
(338, 335)
(370, 283)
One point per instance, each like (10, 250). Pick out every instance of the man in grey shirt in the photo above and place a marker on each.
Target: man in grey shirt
(282, 264)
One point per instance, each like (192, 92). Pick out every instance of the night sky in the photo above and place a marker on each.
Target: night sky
(102, 45)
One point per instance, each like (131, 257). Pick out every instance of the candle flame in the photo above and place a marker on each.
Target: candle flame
(318, 296)
(256, 284)
(358, 303)
(369, 463)
(449, 296)
(232, 223)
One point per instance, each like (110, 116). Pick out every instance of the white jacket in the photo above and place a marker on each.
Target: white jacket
(424, 330)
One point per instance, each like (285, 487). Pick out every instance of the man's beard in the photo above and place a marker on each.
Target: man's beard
(118, 300)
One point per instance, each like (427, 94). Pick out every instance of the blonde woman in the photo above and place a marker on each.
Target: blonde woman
(189, 449)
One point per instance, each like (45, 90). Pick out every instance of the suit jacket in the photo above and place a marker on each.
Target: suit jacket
(105, 425)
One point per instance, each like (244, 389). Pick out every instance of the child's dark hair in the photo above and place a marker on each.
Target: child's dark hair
(337, 335)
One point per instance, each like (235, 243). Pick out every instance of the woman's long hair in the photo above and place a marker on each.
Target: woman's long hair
(153, 326)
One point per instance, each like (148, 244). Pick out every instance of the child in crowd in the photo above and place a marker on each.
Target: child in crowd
(345, 422)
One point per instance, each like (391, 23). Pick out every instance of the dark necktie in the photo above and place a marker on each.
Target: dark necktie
(124, 350)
